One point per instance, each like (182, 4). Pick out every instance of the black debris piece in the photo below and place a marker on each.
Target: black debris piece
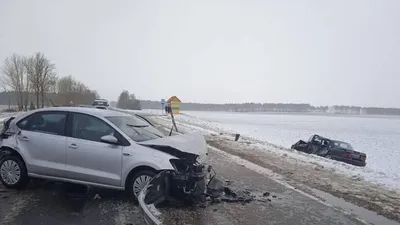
(215, 184)
(237, 137)
(238, 196)
(266, 194)
(215, 188)
(229, 192)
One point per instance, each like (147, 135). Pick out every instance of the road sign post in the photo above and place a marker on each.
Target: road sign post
(162, 106)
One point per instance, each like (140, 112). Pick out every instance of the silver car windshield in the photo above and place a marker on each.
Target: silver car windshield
(137, 129)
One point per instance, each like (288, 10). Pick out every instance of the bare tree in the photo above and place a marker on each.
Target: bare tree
(49, 77)
(128, 101)
(71, 90)
(27, 85)
(41, 75)
(33, 76)
(14, 77)
(65, 84)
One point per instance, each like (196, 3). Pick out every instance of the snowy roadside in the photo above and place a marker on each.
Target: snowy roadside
(299, 169)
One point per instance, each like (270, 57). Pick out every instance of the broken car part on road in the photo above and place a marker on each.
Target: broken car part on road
(183, 188)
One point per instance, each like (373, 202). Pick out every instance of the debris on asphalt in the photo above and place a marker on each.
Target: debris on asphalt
(191, 187)
(238, 196)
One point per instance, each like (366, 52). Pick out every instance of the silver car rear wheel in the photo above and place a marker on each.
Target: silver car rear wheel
(139, 183)
(10, 172)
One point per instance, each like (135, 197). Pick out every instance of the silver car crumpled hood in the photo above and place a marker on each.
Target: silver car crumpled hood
(193, 143)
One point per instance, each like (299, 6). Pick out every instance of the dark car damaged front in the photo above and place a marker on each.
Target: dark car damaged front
(332, 149)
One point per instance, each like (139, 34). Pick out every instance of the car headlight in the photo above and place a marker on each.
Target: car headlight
(180, 165)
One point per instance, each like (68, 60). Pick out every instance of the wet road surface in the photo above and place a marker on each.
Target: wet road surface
(47, 202)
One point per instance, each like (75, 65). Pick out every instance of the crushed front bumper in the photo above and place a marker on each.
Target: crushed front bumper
(150, 213)
(171, 186)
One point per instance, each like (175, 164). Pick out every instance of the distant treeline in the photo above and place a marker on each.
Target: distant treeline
(59, 99)
(277, 107)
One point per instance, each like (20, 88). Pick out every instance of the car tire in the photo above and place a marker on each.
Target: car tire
(13, 172)
(328, 156)
(137, 181)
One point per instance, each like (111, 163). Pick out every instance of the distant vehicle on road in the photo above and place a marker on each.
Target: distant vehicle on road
(331, 149)
(100, 104)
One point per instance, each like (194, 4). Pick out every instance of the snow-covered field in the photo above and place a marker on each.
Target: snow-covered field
(378, 137)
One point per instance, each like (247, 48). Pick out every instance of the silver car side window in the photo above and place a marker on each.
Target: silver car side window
(45, 122)
(90, 128)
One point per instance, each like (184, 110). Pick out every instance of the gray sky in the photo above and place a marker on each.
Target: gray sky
(313, 51)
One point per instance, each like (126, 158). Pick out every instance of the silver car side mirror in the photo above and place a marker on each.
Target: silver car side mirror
(109, 139)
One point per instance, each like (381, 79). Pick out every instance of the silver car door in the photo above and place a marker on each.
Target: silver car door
(42, 141)
(87, 158)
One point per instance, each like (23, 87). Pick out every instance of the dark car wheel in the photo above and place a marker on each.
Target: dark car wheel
(138, 181)
(13, 173)
(328, 156)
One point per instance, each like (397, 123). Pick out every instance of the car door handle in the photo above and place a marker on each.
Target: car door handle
(126, 154)
(74, 146)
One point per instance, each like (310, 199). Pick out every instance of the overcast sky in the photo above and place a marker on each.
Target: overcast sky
(217, 51)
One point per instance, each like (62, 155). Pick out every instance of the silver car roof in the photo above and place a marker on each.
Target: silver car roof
(90, 111)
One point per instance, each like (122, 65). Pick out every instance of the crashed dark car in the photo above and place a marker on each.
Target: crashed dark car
(331, 149)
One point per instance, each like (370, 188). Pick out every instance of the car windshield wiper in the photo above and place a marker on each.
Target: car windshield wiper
(138, 126)
(143, 126)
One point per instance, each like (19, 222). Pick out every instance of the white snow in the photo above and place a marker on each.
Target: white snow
(378, 137)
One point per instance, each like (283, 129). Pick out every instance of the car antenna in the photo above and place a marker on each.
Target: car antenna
(52, 103)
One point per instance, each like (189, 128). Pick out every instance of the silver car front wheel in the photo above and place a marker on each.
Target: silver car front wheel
(139, 183)
(10, 172)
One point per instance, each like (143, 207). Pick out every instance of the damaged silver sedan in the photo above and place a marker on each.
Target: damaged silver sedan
(96, 147)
